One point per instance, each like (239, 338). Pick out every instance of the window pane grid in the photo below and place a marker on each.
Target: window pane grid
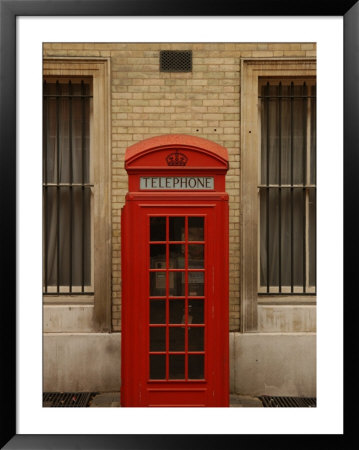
(184, 328)
(66, 187)
(287, 188)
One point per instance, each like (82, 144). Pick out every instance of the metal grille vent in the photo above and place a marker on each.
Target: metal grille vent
(176, 60)
(66, 399)
(288, 402)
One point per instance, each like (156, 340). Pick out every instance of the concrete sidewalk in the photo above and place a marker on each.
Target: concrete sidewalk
(113, 400)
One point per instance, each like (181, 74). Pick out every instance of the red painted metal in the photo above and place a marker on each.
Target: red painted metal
(190, 372)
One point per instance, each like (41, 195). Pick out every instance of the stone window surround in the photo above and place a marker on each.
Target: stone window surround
(251, 70)
(99, 70)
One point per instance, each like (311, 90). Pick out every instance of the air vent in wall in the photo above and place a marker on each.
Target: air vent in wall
(176, 60)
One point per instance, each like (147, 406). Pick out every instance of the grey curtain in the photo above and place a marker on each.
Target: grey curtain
(287, 210)
(67, 203)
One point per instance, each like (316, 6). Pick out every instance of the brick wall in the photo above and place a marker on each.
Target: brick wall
(206, 102)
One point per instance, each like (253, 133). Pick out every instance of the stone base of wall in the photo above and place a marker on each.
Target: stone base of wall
(82, 362)
(277, 364)
(260, 363)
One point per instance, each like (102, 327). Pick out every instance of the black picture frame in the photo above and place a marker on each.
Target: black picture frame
(9, 10)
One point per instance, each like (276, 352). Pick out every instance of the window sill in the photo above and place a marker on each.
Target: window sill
(273, 299)
(68, 299)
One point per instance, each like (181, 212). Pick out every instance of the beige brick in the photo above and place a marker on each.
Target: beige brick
(284, 46)
(294, 53)
(261, 54)
(309, 46)
(215, 102)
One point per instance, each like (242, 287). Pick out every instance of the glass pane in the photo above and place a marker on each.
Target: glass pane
(158, 228)
(285, 151)
(157, 367)
(195, 366)
(196, 283)
(265, 126)
(273, 237)
(283, 123)
(176, 228)
(63, 139)
(196, 311)
(80, 141)
(312, 237)
(263, 237)
(313, 138)
(50, 139)
(269, 235)
(157, 284)
(158, 256)
(270, 248)
(177, 339)
(157, 311)
(177, 256)
(299, 135)
(196, 228)
(283, 132)
(270, 135)
(74, 236)
(177, 283)
(157, 339)
(177, 311)
(195, 256)
(86, 237)
(64, 237)
(51, 247)
(195, 339)
(176, 367)
(285, 237)
(298, 233)
(66, 122)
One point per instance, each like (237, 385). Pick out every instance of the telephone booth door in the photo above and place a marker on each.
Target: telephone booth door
(175, 297)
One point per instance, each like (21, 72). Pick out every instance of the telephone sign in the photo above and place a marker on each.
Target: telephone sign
(180, 183)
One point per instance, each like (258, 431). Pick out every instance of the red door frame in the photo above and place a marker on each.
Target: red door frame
(150, 158)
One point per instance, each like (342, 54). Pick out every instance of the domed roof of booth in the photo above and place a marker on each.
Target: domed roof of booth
(180, 142)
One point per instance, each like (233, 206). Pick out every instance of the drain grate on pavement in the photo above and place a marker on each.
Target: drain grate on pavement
(288, 402)
(66, 399)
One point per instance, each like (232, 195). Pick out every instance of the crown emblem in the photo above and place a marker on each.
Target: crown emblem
(176, 159)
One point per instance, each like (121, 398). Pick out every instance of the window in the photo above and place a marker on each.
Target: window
(287, 186)
(76, 185)
(67, 184)
(278, 185)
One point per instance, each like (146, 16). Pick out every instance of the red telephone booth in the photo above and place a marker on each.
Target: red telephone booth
(175, 274)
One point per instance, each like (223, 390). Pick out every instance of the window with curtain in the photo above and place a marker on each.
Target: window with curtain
(67, 186)
(287, 187)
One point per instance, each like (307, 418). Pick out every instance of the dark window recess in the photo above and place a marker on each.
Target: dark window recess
(176, 61)
(67, 186)
(287, 190)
